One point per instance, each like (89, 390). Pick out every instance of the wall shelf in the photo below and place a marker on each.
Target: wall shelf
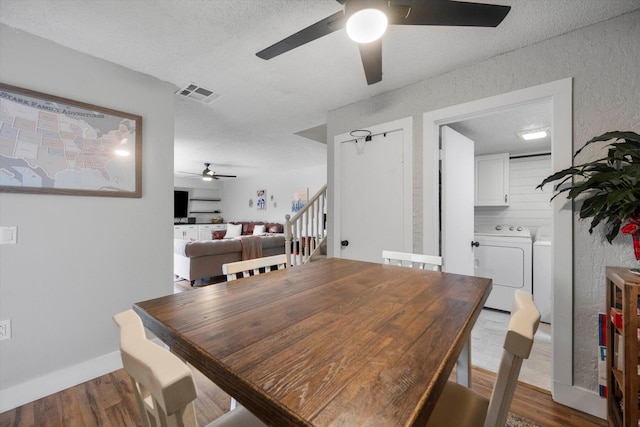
(205, 200)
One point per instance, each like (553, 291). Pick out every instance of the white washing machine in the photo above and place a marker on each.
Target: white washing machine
(504, 254)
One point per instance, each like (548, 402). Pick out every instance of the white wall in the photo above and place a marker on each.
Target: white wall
(237, 193)
(603, 61)
(198, 188)
(80, 260)
(528, 206)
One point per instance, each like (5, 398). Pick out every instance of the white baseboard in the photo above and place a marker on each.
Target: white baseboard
(581, 399)
(54, 382)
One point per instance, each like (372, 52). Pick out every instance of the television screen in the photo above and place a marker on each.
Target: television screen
(180, 204)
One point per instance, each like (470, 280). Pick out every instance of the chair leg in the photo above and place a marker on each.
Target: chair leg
(144, 416)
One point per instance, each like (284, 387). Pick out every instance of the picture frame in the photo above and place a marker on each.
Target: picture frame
(262, 199)
(55, 145)
(299, 199)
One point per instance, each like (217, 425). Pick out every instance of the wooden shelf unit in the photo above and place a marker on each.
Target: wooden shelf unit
(623, 291)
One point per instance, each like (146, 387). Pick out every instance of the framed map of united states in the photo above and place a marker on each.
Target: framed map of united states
(55, 145)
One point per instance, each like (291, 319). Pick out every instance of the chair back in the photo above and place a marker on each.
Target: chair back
(406, 259)
(162, 383)
(523, 325)
(240, 269)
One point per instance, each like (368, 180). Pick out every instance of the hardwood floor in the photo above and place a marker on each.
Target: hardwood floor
(108, 401)
(536, 404)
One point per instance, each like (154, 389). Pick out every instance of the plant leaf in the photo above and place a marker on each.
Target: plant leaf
(609, 186)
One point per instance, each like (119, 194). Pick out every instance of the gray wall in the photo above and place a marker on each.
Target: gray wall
(237, 192)
(79, 260)
(603, 60)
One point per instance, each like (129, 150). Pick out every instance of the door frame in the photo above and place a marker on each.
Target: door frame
(559, 93)
(406, 125)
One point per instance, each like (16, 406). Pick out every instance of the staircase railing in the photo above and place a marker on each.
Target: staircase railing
(306, 231)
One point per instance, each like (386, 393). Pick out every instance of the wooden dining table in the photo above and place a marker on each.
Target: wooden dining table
(334, 342)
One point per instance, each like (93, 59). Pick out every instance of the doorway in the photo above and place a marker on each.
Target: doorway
(508, 169)
(558, 93)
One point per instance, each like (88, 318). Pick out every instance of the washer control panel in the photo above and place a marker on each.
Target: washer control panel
(502, 230)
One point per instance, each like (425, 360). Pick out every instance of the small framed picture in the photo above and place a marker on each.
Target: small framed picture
(262, 199)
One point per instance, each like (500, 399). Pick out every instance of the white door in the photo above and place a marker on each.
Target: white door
(372, 196)
(457, 202)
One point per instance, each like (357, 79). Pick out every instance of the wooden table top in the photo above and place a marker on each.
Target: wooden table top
(333, 342)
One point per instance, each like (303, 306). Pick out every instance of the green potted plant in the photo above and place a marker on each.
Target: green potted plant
(609, 187)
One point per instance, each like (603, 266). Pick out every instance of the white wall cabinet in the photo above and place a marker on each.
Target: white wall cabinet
(196, 231)
(205, 230)
(492, 180)
(185, 232)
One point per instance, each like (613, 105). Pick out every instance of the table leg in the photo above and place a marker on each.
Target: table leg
(463, 367)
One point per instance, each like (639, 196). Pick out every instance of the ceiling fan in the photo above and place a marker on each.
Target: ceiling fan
(208, 175)
(366, 21)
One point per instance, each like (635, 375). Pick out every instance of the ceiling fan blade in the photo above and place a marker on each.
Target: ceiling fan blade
(216, 176)
(445, 12)
(371, 54)
(321, 28)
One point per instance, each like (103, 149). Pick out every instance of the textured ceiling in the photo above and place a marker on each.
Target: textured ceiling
(498, 132)
(252, 128)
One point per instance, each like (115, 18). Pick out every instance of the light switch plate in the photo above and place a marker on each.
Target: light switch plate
(5, 329)
(8, 235)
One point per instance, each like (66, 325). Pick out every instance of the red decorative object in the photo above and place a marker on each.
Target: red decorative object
(633, 228)
(616, 317)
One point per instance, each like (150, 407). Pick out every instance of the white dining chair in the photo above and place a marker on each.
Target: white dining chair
(240, 269)
(162, 383)
(407, 259)
(460, 406)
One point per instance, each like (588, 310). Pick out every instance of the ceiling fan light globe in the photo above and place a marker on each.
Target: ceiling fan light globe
(207, 178)
(366, 25)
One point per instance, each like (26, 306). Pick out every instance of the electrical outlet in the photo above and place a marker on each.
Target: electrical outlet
(5, 329)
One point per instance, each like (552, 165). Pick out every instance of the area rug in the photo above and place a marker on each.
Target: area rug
(518, 421)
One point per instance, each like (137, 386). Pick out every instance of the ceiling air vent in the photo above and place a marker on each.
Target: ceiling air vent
(198, 93)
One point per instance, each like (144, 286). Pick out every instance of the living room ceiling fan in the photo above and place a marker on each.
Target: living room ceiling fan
(367, 20)
(208, 175)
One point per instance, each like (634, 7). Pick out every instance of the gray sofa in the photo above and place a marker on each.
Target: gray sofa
(193, 260)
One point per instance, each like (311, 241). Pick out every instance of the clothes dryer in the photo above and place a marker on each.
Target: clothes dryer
(504, 254)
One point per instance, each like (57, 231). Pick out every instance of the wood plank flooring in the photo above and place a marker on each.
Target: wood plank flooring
(108, 401)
